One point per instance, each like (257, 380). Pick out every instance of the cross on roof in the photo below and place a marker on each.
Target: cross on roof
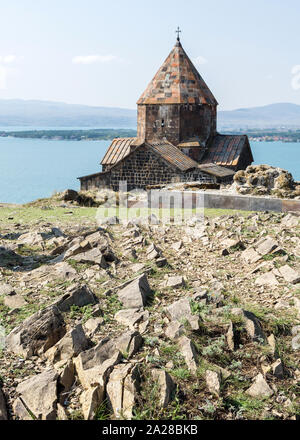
(178, 32)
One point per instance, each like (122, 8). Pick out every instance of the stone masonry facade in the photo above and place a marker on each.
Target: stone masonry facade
(143, 169)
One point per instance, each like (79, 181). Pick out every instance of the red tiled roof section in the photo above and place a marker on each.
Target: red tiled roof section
(225, 150)
(177, 82)
(119, 148)
(173, 155)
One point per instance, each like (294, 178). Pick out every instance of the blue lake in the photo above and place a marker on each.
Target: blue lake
(35, 168)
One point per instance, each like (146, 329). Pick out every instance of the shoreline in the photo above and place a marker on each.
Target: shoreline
(107, 134)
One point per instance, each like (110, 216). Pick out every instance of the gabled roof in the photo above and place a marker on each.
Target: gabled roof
(177, 82)
(172, 155)
(225, 150)
(119, 148)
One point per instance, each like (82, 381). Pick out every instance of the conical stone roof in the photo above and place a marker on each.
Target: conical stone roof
(177, 82)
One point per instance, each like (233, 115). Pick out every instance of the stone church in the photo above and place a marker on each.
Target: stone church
(177, 138)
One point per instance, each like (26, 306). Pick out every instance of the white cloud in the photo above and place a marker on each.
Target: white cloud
(200, 60)
(8, 59)
(91, 59)
(296, 77)
(3, 77)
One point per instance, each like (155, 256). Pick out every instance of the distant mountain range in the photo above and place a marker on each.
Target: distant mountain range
(22, 113)
(270, 116)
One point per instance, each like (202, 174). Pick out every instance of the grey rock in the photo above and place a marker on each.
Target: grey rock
(136, 293)
(39, 394)
(290, 221)
(77, 295)
(296, 342)
(250, 256)
(66, 378)
(296, 330)
(9, 258)
(137, 267)
(231, 244)
(277, 368)
(32, 238)
(14, 301)
(3, 411)
(161, 262)
(133, 318)
(289, 274)
(6, 289)
(181, 311)
(252, 324)
(177, 246)
(174, 282)
(90, 401)
(61, 413)
(297, 306)
(272, 343)
(129, 343)
(267, 279)
(153, 252)
(266, 246)
(69, 195)
(94, 365)
(37, 333)
(213, 382)
(73, 343)
(189, 352)
(20, 410)
(122, 390)
(260, 388)
(77, 246)
(230, 337)
(174, 330)
(93, 256)
(166, 386)
(93, 325)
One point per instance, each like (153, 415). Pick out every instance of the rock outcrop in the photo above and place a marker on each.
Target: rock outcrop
(266, 180)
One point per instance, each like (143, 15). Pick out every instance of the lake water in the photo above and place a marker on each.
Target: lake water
(35, 168)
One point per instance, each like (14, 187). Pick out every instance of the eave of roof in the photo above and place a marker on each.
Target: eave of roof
(101, 173)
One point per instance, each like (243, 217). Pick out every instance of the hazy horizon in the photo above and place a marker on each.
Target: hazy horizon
(104, 55)
(135, 108)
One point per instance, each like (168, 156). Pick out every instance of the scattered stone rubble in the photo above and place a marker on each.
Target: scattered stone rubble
(135, 318)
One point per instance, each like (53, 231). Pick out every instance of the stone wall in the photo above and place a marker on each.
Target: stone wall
(197, 121)
(159, 122)
(141, 169)
(100, 180)
(176, 122)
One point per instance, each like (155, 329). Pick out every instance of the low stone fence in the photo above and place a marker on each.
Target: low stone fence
(215, 200)
(249, 203)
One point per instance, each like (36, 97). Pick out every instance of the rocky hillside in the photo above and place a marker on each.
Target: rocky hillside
(200, 321)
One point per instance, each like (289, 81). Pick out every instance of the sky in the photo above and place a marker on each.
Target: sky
(104, 53)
